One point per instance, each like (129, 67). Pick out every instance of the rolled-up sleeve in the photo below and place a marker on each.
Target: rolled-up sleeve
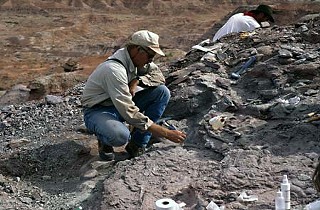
(153, 77)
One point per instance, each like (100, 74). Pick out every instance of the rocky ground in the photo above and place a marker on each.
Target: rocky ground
(48, 161)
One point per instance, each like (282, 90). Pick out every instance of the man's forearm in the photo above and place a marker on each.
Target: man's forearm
(173, 135)
(158, 130)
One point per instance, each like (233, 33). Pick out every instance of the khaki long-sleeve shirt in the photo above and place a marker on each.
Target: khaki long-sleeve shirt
(108, 85)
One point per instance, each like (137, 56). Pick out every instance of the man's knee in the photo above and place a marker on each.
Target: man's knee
(165, 92)
(113, 134)
(114, 138)
(120, 139)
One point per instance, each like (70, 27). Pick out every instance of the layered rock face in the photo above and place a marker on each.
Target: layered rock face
(271, 123)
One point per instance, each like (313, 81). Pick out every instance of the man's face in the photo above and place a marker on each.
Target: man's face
(143, 56)
(149, 54)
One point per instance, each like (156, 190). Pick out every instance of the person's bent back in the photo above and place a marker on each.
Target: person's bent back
(247, 21)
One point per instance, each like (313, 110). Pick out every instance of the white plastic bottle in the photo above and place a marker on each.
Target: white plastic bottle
(279, 201)
(285, 189)
(313, 206)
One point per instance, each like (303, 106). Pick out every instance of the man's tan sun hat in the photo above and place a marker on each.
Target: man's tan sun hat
(148, 39)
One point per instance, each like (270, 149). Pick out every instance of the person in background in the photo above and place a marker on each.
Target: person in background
(110, 99)
(247, 21)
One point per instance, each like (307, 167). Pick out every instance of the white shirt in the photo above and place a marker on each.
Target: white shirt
(237, 23)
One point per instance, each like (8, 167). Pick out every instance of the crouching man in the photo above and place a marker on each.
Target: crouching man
(109, 98)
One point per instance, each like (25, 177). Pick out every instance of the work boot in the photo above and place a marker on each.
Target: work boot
(134, 150)
(105, 152)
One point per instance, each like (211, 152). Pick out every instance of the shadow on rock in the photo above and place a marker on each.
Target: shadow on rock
(50, 167)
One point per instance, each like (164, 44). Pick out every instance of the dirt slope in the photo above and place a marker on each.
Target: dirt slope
(44, 155)
(37, 37)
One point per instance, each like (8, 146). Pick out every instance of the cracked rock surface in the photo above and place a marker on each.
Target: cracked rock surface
(271, 129)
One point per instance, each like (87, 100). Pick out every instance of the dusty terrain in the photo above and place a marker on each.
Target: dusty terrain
(38, 38)
(48, 161)
(37, 42)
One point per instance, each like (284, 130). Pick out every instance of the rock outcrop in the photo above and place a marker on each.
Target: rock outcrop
(271, 129)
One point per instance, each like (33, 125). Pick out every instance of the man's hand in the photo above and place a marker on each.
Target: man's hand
(133, 86)
(173, 135)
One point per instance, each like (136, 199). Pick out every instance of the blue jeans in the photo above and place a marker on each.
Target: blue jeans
(108, 125)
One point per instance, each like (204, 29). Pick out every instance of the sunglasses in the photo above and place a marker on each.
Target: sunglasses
(150, 54)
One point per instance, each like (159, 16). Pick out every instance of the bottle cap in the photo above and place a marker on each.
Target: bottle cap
(284, 179)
